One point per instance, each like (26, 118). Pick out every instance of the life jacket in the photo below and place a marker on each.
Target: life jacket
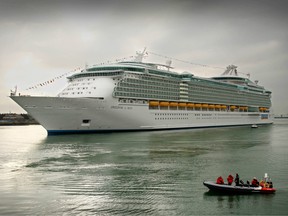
(220, 180)
(255, 182)
(230, 179)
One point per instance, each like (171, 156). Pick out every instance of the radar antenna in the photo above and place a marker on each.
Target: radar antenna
(168, 63)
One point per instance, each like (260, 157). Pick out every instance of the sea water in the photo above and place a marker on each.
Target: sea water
(140, 173)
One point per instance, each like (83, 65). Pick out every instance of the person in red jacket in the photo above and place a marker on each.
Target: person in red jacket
(230, 179)
(220, 180)
(255, 182)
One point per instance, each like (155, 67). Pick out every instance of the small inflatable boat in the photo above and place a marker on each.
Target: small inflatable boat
(233, 189)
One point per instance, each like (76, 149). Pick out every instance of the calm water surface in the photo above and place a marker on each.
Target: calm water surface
(152, 173)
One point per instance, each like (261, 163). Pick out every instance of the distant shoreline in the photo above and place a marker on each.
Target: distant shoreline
(13, 119)
(17, 124)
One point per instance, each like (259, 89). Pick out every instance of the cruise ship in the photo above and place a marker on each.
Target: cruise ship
(140, 96)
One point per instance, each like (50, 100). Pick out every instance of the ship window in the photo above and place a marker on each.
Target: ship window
(86, 121)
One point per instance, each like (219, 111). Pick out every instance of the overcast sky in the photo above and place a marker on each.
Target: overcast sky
(40, 40)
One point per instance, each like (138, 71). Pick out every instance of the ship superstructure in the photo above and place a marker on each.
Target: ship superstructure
(133, 95)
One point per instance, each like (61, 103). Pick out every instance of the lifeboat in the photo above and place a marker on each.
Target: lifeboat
(261, 109)
(218, 106)
(153, 103)
(198, 105)
(164, 104)
(223, 107)
(182, 104)
(190, 105)
(173, 104)
(243, 108)
(205, 106)
(211, 106)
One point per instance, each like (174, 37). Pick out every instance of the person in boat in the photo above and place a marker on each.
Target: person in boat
(270, 183)
(267, 181)
(255, 182)
(220, 180)
(243, 184)
(237, 180)
(230, 179)
(262, 183)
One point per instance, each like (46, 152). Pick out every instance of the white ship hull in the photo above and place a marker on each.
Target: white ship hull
(84, 115)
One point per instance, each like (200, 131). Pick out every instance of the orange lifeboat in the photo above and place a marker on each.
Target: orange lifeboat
(173, 104)
(211, 106)
(190, 105)
(232, 108)
(182, 104)
(153, 103)
(198, 105)
(204, 105)
(218, 106)
(164, 104)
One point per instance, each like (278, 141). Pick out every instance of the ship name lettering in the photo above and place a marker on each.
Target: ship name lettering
(116, 107)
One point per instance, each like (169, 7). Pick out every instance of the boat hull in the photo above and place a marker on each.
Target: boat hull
(89, 115)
